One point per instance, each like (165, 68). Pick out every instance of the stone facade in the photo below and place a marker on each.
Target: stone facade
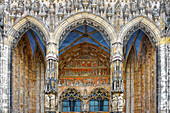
(25, 80)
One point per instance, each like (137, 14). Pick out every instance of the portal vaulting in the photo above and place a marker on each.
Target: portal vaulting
(84, 56)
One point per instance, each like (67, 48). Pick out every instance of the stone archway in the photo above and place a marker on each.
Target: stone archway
(140, 39)
(78, 19)
(143, 23)
(25, 23)
(70, 24)
(21, 50)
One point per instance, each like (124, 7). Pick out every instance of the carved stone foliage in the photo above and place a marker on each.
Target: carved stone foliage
(18, 34)
(99, 92)
(86, 81)
(117, 103)
(71, 93)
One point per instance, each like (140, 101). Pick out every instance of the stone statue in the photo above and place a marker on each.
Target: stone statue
(76, 4)
(44, 9)
(167, 9)
(101, 6)
(61, 8)
(52, 7)
(126, 11)
(85, 93)
(28, 5)
(109, 9)
(20, 7)
(155, 13)
(121, 102)
(114, 103)
(85, 107)
(20, 4)
(2, 6)
(148, 5)
(117, 7)
(133, 7)
(68, 5)
(28, 2)
(36, 6)
(85, 3)
(93, 4)
(141, 4)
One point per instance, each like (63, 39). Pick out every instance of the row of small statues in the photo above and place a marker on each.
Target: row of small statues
(94, 5)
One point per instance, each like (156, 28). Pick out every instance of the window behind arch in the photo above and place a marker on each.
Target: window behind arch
(71, 105)
(99, 100)
(71, 101)
(99, 105)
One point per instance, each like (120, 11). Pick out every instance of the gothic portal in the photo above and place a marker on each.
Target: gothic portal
(84, 56)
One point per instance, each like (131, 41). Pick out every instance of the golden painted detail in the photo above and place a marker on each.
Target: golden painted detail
(84, 59)
(85, 81)
(71, 92)
(99, 92)
(26, 76)
(140, 79)
(165, 40)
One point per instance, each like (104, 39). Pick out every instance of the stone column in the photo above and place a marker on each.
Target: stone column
(118, 102)
(163, 76)
(42, 88)
(38, 85)
(4, 76)
(51, 84)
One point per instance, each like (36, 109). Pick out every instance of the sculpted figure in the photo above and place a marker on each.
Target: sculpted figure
(167, 9)
(20, 4)
(28, 5)
(126, 11)
(114, 103)
(68, 5)
(85, 107)
(36, 6)
(109, 9)
(148, 5)
(44, 9)
(61, 9)
(28, 2)
(133, 6)
(155, 12)
(85, 93)
(76, 4)
(101, 6)
(1, 9)
(117, 7)
(141, 4)
(93, 1)
(20, 7)
(121, 102)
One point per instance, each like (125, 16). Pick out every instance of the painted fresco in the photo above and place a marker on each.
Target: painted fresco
(84, 58)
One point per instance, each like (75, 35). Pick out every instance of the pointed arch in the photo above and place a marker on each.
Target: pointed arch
(68, 90)
(24, 24)
(78, 19)
(140, 22)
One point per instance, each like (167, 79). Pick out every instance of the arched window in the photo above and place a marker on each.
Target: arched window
(71, 105)
(99, 100)
(71, 101)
